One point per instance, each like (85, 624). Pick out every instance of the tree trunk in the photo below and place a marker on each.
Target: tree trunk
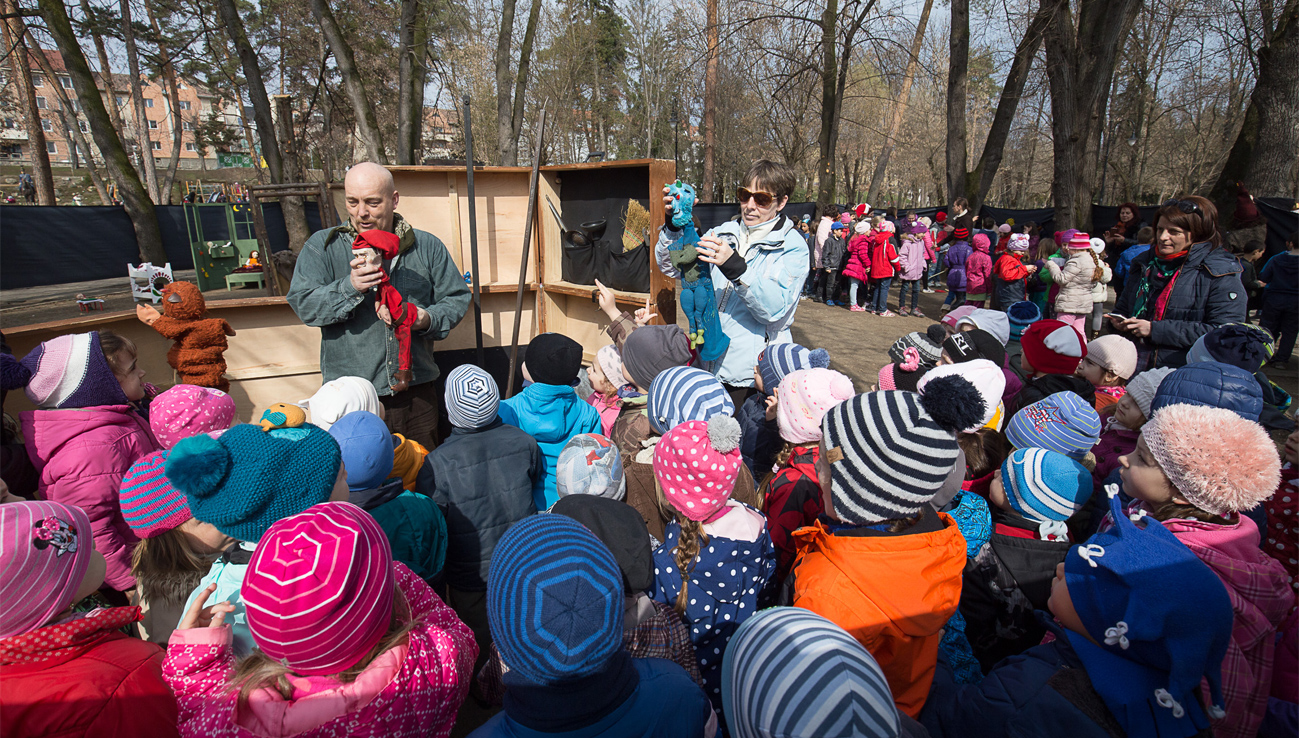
(105, 69)
(410, 100)
(521, 78)
(14, 31)
(66, 111)
(708, 186)
(143, 137)
(957, 91)
(1263, 155)
(256, 89)
(825, 189)
(366, 124)
(173, 102)
(295, 220)
(1080, 65)
(900, 108)
(135, 200)
(506, 145)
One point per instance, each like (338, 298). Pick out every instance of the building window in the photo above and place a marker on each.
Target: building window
(82, 125)
(11, 123)
(186, 125)
(121, 101)
(153, 125)
(66, 82)
(40, 103)
(184, 104)
(190, 147)
(157, 145)
(148, 102)
(51, 147)
(38, 80)
(46, 125)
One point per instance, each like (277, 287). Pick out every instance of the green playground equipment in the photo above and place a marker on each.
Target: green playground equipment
(221, 239)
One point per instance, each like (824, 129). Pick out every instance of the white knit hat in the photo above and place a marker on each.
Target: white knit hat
(1143, 387)
(341, 396)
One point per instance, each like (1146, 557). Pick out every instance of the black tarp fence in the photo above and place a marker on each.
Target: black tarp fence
(42, 245)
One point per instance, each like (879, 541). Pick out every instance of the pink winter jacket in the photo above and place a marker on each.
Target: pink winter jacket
(912, 256)
(81, 456)
(859, 257)
(608, 410)
(410, 690)
(1261, 599)
(978, 267)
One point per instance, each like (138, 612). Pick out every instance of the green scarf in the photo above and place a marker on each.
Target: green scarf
(1158, 270)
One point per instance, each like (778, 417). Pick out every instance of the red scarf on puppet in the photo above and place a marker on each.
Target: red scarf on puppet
(404, 314)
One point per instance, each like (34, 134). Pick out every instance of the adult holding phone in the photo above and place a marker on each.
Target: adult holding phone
(1182, 288)
(760, 262)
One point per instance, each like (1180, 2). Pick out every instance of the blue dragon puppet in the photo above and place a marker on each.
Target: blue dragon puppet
(697, 297)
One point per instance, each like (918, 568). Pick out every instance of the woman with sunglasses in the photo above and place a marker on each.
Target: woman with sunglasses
(1183, 287)
(761, 264)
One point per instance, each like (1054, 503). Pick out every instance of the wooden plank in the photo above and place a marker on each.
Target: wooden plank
(664, 288)
(262, 371)
(453, 212)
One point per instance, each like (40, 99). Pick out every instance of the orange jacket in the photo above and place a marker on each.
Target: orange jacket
(892, 593)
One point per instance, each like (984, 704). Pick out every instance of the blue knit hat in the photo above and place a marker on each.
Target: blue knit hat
(1161, 621)
(792, 673)
(366, 447)
(684, 393)
(1021, 315)
(472, 397)
(1240, 345)
(1062, 422)
(590, 465)
(780, 359)
(554, 600)
(1212, 384)
(1045, 486)
(249, 478)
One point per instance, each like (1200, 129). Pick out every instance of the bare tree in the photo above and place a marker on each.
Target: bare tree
(510, 88)
(413, 34)
(137, 102)
(256, 87)
(899, 107)
(708, 186)
(367, 126)
(172, 87)
(14, 38)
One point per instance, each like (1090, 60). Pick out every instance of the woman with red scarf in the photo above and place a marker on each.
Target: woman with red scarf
(1182, 288)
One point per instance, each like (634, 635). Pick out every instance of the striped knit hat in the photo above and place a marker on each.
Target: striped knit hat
(150, 505)
(1062, 422)
(890, 452)
(929, 350)
(554, 600)
(186, 410)
(804, 397)
(1045, 486)
(472, 397)
(319, 589)
(71, 372)
(45, 550)
(792, 673)
(779, 359)
(685, 393)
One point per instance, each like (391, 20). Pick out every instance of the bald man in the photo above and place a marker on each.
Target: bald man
(332, 290)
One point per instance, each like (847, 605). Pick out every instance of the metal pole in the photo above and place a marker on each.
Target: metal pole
(523, 263)
(466, 123)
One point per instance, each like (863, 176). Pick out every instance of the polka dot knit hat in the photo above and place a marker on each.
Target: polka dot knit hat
(45, 551)
(804, 397)
(319, 589)
(696, 465)
(554, 600)
(150, 504)
(186, 410)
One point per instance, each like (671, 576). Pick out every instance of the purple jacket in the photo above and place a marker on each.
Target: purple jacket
(957, 255)
(1115, 441)
(81, 456)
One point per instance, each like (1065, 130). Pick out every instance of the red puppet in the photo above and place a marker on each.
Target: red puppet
(376, 246)
(200, 342)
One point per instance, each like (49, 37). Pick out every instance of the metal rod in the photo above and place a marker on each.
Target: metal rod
(523, 263)
(473, 235)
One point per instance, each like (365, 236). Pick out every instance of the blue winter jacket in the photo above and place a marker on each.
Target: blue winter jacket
(552, 414)
(227, 573)
(1212, 384)
(1125, 261)
(760, 439)
(759, 307)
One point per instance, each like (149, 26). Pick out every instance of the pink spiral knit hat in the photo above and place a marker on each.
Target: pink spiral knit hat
(186, 410)
(804, 397)
(150, 505)
(45, 551)
(696, 464)
(1079, 240)
(319, 588)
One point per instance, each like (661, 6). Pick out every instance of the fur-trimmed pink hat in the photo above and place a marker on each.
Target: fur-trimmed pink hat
(1217, 460)
(803, 399)
(696, 464)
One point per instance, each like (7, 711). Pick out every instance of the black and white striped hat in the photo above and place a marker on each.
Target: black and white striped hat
(890, 452)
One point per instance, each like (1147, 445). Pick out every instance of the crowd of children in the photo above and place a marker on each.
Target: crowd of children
(1016, 530)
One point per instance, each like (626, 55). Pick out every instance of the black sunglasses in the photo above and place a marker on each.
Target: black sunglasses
(760, 198)
(1186, 206)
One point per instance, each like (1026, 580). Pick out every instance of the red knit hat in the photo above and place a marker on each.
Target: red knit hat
(1053, 347)
(384, 242)
(940, 217)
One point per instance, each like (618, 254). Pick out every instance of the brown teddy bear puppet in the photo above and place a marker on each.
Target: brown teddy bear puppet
(200, 342)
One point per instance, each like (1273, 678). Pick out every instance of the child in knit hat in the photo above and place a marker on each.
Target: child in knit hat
(1124, 423)
(175, 550)
(590, 465)
(549, 409)
(716, 560)
(481, 478)
(1195, 470)
(1109, 364)
(1010, 273)
(978, 272)
(775, 657)
(928, 344)
(911, 267)
(243, 482)
(994, 322)
(344, 395)
(1076, 277)
(759, 435)
(1062, 422)
(950, 319)
(1140, 622)
(569, 671)
(1031, 497)
(608, 386)
(646, 352)
(857, 267)
(65, 673)
(349, 641)
(186, 410)
(85, 434)
(416, 529)
(968, 345)
(881, 563)
(792, 496)
(903, 374)
(1050, 359)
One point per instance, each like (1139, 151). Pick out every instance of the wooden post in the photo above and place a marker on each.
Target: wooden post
(523, 262)
(473, 236)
